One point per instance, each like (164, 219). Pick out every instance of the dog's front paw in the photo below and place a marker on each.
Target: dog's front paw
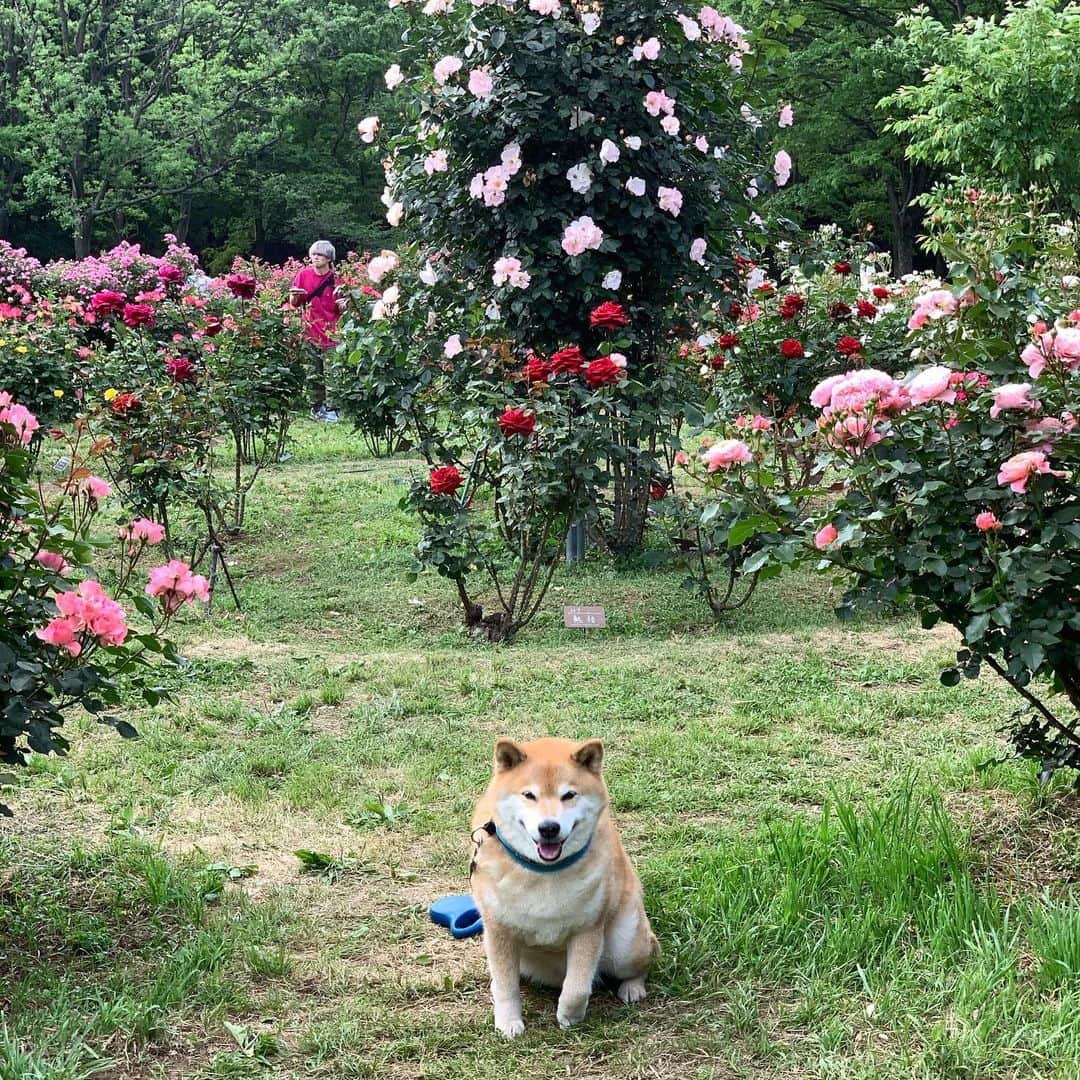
(509, 1025)
(570, 1013)
(632, 990)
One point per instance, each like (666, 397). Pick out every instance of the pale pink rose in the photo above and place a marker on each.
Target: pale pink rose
(935, 304)
(697, 251)
(648, 50)
(702, 144)
(368, 128)
(480, 84)
(1012, 396)
(670, 124)
(669, 199)
(760, 423)
(52, 560)
(825, 537)
(447, 66)
(933, 384)
(609, 152)
(582, 235)
(546, 7)
(436, 161)
(725, 453)
(690, 28)
(782, 167)
(657, 102)
(986, 521)
(1018, 470)
(1067, 346)
(393, 77)
(452, 346)
(682, 458)
(787, 116)
(636, 186)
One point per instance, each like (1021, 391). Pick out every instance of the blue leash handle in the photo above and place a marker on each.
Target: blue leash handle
(459, 914)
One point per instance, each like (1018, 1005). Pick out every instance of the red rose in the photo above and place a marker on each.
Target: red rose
(881, 293)
(242, 285)
(517, 422)
(865, 310)
(138, 315)
(445, 480)
(370, 290)
(213, 326)
(841, 268)
(734, 310)
(766, 289)
(567, 361)
(107, 302)
(169, 274)
(536, 370)
(608, 316)
(656, 490)
(792, 348)
(848, 346)
(791, 305)
(727, 341)
(602, 372)
(122, 404)
(180, 369)
(743, 264)
(840, 310)
(718, 361)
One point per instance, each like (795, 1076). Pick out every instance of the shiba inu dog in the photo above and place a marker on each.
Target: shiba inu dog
(560, 901)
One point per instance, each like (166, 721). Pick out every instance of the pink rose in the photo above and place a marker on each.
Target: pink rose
(1018, 470)
(725, 453)
(986, 522)
(825, 537)
(96, 488)
(52, 560)
(480, 84)
(933, 384)
(1035, 359)
(1012, 396)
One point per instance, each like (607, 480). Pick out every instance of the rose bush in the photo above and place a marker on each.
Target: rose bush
(555, 160)
(64, 639)
(960, 496)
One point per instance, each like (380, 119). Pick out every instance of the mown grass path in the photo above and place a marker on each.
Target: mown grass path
(840, 891)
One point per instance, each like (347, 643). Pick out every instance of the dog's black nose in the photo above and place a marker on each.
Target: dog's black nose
(549, 830)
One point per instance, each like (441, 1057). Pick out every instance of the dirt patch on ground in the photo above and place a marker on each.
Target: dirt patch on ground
(1025, 848)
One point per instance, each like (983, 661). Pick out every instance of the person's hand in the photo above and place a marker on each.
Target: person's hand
(342, 303)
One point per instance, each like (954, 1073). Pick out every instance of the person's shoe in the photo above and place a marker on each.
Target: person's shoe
(330, 416)
(285, 456)
(318, 415)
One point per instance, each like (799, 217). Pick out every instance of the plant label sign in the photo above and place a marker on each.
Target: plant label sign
(584, 617)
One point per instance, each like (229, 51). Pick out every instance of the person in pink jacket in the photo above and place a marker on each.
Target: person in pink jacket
(315, 290)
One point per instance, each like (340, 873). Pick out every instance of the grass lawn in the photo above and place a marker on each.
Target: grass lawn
(839, 887)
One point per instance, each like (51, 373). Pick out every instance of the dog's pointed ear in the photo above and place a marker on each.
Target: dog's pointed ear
(590, 755)
(508, 754)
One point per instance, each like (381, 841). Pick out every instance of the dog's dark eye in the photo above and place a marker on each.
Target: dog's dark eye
(529, 795)
(569, 795)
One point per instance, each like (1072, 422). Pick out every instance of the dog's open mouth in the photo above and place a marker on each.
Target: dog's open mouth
(549, 852)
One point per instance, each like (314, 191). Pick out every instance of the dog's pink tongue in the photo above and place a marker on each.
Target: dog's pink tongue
(549, 852)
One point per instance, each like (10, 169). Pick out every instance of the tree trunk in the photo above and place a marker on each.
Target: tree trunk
(183, 223)
(84, 232)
